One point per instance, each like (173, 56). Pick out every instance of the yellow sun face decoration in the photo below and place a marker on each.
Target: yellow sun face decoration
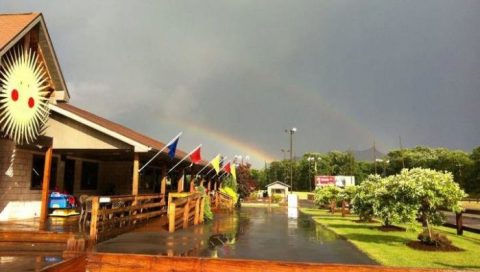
(23, 96)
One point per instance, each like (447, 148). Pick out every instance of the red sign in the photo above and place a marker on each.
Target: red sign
(324, 180)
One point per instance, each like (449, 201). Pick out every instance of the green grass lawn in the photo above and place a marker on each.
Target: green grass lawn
(390, 249)
(471, 205)
(302, 195)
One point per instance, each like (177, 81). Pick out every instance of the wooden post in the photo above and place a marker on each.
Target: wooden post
(162, 191)
(202, 209)
(135, 174)
(459, 223)
(93, 220)
(45, 184)
(196, 219)
(209, 186)
(192, 185)
(171, 216)
(163, 186)
(181, 181)
(215, 185)
(186, 211)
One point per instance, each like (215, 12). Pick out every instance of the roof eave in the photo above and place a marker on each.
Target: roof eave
(137, 146)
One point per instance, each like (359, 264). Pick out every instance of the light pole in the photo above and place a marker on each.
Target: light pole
(310, 159)
(291, 132)
(384, 162)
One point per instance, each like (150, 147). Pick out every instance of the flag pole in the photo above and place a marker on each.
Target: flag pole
(221, 161)
(161, 150)
(207, 165)
(200, 145)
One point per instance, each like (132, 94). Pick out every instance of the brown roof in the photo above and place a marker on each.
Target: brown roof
(12, 25)
(129, 133)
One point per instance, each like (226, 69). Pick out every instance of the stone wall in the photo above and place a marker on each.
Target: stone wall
(15, 174)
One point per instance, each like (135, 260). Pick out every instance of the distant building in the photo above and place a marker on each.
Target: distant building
(339, 181)
(277, 188)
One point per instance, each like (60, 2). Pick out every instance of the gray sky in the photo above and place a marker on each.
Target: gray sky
(234, 74)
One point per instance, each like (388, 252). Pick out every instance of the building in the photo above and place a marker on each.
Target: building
(339, 181)
(277, 188)
(77, 152)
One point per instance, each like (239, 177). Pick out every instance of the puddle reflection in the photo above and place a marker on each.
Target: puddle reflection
(248, 233)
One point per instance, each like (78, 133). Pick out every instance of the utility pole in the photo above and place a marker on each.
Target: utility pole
(374, 156)
(401, 151)
(291, 132)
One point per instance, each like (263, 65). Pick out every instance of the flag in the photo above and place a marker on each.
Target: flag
(226, 167)
(172, 148)
(216, 163)
(234, 172)
(196, 155)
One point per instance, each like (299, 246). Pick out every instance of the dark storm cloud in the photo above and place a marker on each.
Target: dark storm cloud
(343, 72)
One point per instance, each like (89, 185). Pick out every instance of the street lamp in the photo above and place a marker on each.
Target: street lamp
(384, 162)
(310, 159)
(291, 132)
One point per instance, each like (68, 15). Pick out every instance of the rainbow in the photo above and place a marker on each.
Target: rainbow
(254, 152)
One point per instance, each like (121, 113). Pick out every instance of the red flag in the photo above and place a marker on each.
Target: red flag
(226, 167)
(196, 157)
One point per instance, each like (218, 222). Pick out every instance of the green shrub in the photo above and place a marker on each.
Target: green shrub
(277, 198)
(434, 239)
(327, 195)
(229, 191)
(364, 199)
(207, 210)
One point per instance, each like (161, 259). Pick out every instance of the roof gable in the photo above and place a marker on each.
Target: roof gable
(29, 29)
(277, 182)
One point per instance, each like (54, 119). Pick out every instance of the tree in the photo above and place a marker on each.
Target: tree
(348, 193)
(473, 185)
(260, 178)
(434, 190)
(327, 195)
(245, 181)
(458, 162)
(395, 199)
(364, 199)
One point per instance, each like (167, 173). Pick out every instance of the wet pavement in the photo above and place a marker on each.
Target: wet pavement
(249, 233)
(27, 263)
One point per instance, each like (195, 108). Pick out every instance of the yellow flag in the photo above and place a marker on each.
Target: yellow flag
(216, 163)
(233, 171)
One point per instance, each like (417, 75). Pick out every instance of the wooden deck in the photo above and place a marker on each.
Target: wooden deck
(104, 262)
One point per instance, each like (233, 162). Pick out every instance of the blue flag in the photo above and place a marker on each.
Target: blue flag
(172, 148)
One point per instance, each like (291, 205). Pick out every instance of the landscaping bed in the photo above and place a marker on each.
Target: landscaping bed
(399, 248)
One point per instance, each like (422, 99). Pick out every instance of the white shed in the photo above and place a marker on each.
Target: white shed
(278, 188)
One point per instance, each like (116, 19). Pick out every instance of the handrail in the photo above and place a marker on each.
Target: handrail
(184, 208)
(223, 200)
(122, 213)
(97, 262)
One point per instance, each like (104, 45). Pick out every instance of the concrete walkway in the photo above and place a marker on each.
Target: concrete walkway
(249, 233)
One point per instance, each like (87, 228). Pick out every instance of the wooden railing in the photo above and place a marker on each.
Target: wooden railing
(106, 262)
(114, 215)
(223, 201)
(184, 209)
(459, 221)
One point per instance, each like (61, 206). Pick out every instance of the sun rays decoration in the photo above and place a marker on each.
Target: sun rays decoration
(23, 96)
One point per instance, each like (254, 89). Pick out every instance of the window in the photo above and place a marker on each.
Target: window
(89, 176)
(38, 165)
